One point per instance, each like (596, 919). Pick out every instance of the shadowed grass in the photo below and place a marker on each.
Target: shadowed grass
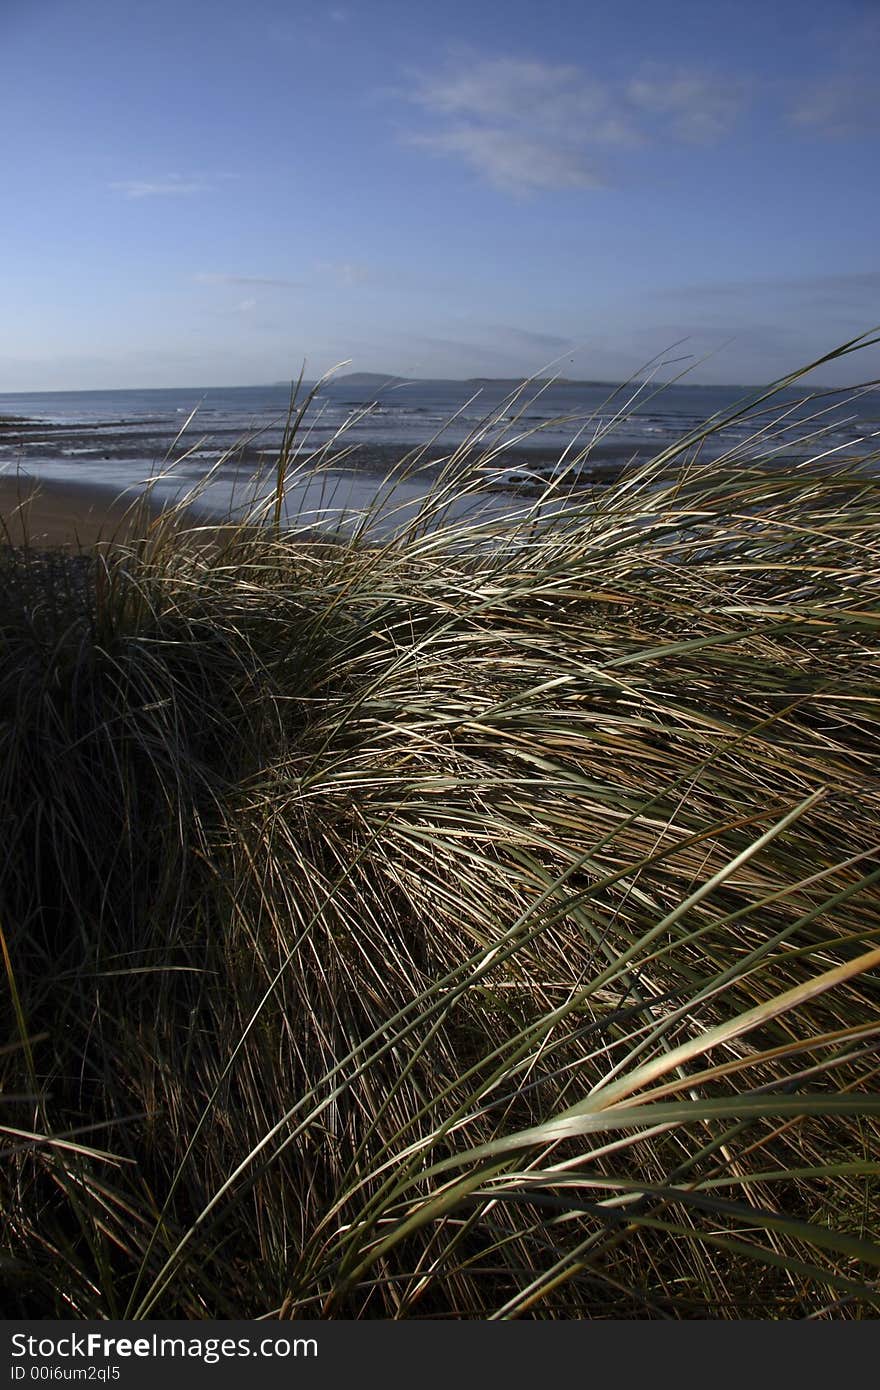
(468, 918)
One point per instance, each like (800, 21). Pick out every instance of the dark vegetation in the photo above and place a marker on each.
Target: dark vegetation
(479, 921)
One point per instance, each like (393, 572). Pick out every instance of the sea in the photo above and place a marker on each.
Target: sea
(120, 437)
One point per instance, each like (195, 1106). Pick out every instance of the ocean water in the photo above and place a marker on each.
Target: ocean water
(413, 412)
(119, 437)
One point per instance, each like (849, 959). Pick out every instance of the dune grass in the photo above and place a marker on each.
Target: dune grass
(479, 919)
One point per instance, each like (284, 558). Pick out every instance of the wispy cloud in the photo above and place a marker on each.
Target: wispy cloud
(346, 274)
(171, 185)
(814, 311)
(550, 97)
(261, 281)
(525, 125)
(510, 161)
(699, 109)
(843, 101)
(858, 287)
(845, 104)
(530, 338)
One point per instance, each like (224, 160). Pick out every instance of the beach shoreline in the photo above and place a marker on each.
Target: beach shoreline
(44, 510)
(48, 514)
(27, 441)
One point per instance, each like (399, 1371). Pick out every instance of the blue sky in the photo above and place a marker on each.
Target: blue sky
(205, 192)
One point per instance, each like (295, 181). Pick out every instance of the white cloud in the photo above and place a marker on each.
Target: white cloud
(270, 281)
(170, 186)
(856, 287)
(525, 125)
(512, 161)
(346, 274)
(844, 105)
(557, 99)
(843, 101)
(530, 338)
(699, 108)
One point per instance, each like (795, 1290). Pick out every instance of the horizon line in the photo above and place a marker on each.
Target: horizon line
(479, 379)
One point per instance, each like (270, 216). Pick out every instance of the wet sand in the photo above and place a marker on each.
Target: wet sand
(46, 512)
(51, 515)
(107, 441)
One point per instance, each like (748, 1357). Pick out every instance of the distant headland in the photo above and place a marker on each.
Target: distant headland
(377, 380)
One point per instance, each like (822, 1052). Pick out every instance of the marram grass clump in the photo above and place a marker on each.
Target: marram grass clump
(464, 920)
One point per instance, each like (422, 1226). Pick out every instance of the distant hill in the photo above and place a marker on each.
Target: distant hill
(376, 381)
(379, 379)
(370, 379)
(514, 381)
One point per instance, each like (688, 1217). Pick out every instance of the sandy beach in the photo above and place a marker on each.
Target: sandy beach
(48, 514)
